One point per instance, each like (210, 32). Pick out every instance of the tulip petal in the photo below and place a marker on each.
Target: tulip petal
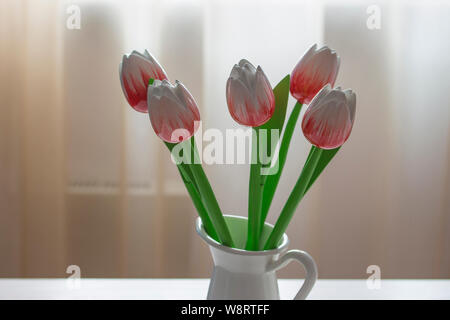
(265, 97)
(312, 72)
(328, 121)
(135, 72)
(351, 98)
(173, 112)
(186, 98)
(250, 97)
(240, 102)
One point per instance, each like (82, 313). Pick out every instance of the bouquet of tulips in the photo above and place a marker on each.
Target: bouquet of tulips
(252, 102)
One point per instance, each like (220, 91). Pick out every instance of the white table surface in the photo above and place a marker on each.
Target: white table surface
(197, 288)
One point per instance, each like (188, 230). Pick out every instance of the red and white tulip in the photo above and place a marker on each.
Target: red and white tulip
(135, 71)
(249, 95)
(314, 70)
(173, 111)
(328, 121)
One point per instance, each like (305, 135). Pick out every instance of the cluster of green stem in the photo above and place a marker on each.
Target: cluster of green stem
(203, 196)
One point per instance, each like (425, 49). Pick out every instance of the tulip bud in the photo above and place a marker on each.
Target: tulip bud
(249, 95)
(328, 121)
(173, 111)
(314, 70)
(135, 73)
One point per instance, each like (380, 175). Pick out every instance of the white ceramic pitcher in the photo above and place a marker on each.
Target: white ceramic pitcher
(251, 275)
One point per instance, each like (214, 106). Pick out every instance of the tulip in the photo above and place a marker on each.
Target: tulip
(249, 95)
(135, 72)
(328, 121)
(173, 111)
(314, 70)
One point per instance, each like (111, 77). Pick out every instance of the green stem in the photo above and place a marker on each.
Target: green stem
(294, 199)
(254, 197)
(272, 181)
(325, 158)
(211, 204)
(196, 199)
(191, 187)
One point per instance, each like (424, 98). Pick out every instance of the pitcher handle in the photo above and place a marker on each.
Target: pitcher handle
(309, 265)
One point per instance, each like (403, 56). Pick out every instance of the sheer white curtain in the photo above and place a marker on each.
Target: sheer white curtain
(85, 181)
(32, 140)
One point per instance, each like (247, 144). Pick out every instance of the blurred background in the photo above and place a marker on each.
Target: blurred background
(85, 181)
